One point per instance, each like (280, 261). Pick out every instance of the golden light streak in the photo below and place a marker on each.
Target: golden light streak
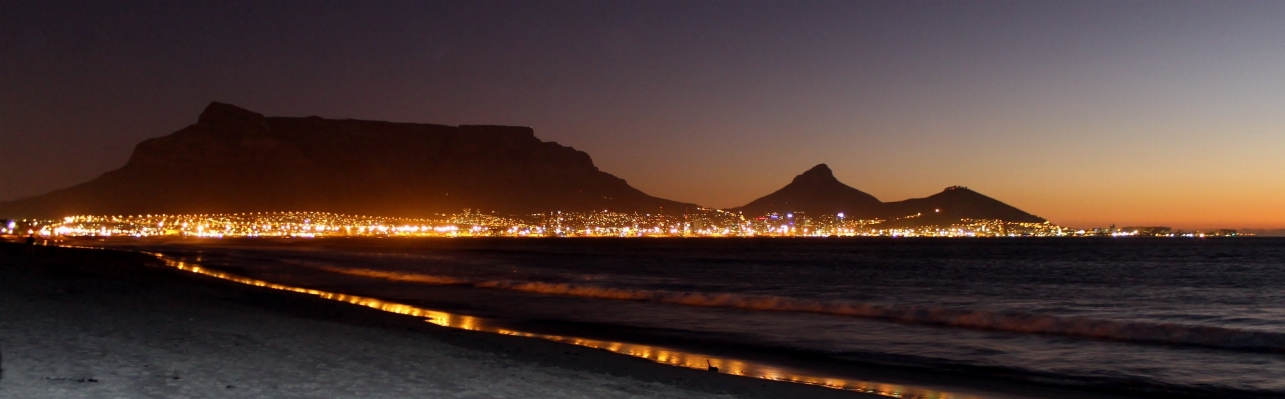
(656, 354)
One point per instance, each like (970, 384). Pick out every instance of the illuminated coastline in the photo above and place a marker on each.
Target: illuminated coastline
(703, 223)
(656, 354)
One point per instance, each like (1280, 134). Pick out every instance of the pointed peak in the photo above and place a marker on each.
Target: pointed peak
(821, 170)
(218, 112)
(818, 175)
(816, 192)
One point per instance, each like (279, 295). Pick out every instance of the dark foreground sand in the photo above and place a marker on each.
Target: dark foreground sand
(101, 324)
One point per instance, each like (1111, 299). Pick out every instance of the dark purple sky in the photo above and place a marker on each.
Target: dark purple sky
(1083, 112)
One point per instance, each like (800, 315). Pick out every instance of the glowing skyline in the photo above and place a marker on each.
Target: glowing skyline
(1084, 113)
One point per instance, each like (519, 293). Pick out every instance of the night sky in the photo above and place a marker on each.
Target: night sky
(1086, 113)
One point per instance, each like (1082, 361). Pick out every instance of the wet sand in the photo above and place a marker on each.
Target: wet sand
(78, 323)
(93, 323)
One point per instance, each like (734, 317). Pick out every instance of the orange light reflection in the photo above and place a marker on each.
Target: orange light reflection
(653, 353)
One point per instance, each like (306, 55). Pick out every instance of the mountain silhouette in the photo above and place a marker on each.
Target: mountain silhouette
(234, 160)
(951, 205)
(817, 192)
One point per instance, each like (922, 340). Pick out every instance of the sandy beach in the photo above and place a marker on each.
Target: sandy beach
(78, 323)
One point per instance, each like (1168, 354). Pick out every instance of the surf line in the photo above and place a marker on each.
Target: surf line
(656, 354)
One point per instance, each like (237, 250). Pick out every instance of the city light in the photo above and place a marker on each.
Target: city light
(700, 223)
(470, 223)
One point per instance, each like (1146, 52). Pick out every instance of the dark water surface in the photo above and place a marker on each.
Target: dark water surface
(1179, 316)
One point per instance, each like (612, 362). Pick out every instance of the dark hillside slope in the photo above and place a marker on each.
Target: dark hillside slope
(816, 192)
(234, 160)
(953, 204)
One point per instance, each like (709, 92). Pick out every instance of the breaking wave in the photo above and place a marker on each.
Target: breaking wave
(1145, 332)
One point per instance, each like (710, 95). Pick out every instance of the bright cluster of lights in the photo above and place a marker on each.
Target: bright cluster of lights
(263, 224)
(698, 223)
(1155, 232)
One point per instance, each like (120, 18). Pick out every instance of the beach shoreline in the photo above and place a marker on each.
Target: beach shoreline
(94, 323)
(69, 281)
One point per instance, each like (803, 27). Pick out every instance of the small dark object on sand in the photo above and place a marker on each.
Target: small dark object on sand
(711, 366)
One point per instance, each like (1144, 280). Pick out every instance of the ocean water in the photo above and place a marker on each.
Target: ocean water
(1196, 317)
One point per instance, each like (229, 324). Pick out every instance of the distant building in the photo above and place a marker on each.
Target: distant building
(1148, 230)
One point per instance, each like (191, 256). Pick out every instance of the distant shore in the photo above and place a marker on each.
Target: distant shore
(92, 323)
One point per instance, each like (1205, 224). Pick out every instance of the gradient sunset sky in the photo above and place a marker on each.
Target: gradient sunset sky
(1083, 112)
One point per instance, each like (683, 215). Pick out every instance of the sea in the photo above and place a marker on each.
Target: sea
(1161, 317)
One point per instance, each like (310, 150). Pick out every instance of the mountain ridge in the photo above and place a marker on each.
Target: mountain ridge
(817, 192)
(236, 160)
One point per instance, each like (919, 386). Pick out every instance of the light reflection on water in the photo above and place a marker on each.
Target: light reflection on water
(654, 353)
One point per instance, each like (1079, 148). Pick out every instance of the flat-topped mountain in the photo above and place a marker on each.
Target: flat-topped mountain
(234, 160)
(818, 192)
